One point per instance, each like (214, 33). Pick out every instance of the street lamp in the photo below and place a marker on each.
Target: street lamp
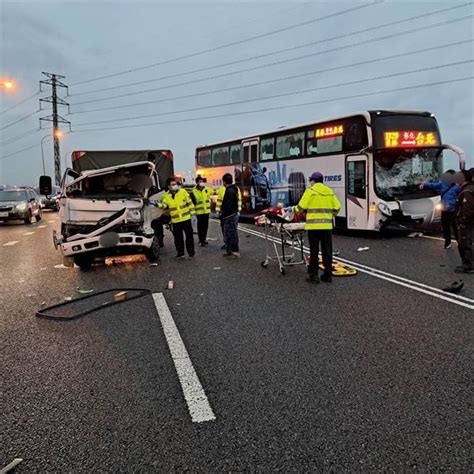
(7, 85)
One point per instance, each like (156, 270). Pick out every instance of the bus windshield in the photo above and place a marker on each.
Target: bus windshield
(399, 172)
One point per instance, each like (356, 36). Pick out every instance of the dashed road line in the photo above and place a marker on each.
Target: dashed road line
(29, 233)
(390, 277)
(196, 399)
(431, 237)
(41, 226)
(12, 242)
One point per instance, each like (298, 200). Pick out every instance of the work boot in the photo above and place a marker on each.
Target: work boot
(447, 245)
(235, 255)
(313, 279)
(223, 247)
(463, 269)
(326, 278)
(180, 257)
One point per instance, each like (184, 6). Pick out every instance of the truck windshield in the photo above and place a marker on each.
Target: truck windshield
(12, 195)
(399, 172)
(123, 183)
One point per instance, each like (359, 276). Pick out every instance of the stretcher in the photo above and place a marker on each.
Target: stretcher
(284, 233)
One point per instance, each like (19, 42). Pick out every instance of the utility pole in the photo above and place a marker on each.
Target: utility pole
(54, 81)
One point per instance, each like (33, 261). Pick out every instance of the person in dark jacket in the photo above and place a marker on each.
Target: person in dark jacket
(229, 214)
(465, 221)
(449, 191)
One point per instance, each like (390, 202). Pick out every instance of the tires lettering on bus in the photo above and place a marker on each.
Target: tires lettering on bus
(333, 178)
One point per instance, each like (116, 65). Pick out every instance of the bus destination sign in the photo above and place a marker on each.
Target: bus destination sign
(402, 138)
(332, 131)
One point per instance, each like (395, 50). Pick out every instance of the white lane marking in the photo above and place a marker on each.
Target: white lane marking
(414, 285)
(28, 233)
(41, 227)
(12, 242)
(198, 404)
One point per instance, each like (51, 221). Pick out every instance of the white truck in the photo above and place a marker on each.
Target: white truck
(105, 205)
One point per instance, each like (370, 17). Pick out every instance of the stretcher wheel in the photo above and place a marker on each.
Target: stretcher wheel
(282, 271)
(264, 264)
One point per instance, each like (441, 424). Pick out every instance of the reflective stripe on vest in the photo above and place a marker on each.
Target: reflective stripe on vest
(180, 206)
(203, 200)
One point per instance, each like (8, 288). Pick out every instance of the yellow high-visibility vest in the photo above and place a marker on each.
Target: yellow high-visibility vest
(321, 205)
(203, 199)
(179, 206)
(220, 198)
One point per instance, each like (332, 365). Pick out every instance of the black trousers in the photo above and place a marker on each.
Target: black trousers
(466, 235)
(202, 226)
(185, 228)
(448, 222)
(315, 237)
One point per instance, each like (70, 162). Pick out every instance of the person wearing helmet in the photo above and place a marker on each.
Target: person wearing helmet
(321, 205)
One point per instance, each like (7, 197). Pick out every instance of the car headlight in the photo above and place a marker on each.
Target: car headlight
(22, 206)
(384, 209)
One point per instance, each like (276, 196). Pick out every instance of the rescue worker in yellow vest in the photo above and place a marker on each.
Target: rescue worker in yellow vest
(180, 206)
(220, 198)
(321, 206)
(201, 197)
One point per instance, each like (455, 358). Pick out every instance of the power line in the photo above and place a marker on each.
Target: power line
(276, 63)
(280, 79)
(267, 109)
(19, 120)
(19, 137)
(270, 109)
(285, 94)
(233, 43)
(19, 151)
(19, 103)
(273, 53)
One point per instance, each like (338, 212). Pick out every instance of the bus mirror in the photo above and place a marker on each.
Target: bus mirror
(45, 185)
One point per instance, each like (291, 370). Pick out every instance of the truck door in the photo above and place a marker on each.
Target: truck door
(357, 192)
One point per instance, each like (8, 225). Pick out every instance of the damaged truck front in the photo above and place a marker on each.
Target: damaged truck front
(105, 205)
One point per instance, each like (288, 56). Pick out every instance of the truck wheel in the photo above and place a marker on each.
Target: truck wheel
(153, 253)
(39, 215)
(84, 262)
(28, 218)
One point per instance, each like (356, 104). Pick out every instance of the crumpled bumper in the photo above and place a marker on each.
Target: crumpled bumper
(97, 244)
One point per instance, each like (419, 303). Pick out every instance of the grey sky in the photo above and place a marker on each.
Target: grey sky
(83, 40)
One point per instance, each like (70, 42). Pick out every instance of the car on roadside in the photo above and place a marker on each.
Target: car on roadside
(20, 204)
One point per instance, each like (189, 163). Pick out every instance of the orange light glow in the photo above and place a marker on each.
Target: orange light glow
(329, 131)
(410, 138)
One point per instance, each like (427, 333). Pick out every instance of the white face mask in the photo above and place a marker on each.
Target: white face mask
(174, 188)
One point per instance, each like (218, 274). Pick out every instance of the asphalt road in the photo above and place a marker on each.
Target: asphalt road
(370, 373)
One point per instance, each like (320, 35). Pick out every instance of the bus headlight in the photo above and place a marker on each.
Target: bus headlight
(439, 207)
(384, 209)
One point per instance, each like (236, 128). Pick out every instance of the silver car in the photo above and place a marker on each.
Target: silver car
(20, 204)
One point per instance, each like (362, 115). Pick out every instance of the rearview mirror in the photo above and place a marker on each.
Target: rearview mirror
(45, 185)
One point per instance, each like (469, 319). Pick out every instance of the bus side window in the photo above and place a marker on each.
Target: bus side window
(253, 153)
(356, 179)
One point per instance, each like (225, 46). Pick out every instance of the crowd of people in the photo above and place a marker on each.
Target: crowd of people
(321, 205)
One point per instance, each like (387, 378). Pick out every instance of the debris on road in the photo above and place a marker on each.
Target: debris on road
(11, 466)
(84, 291)
(363, 249)
(68, 298)
(153, 264)
(170, 285)
(336, 253)
(217, 268)
(120, 296)
(455, 287)
(415, 234)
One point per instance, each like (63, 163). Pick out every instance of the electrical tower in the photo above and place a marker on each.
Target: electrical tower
(54, 81)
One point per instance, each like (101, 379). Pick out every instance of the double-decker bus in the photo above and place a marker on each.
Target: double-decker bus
(373, 160)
